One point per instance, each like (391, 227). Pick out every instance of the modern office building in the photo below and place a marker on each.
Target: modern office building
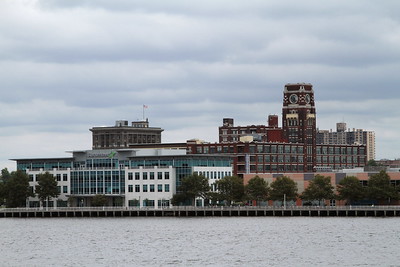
(122, 135)
(140, 178)
(344, 136)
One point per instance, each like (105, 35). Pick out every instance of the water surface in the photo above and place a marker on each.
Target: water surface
(209, 241)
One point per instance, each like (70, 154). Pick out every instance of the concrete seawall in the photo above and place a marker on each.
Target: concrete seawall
(355, 211)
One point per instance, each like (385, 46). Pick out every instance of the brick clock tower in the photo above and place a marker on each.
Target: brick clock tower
(299, 120)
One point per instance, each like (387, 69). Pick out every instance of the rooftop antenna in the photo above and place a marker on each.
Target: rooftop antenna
(144, 107)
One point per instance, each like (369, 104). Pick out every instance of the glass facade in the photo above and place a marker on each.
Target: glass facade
(146, 179)
(182, 164)
(108, 182)
(46, 165)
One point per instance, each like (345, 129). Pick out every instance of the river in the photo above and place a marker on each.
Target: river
(206, 241)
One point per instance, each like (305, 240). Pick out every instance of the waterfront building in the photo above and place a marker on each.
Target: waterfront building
(290, 148)
(131, 166)
(344, 136)
(127, 177)
(250, 156)
(122, 135)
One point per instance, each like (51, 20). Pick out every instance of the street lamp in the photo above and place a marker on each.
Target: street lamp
(284, 201)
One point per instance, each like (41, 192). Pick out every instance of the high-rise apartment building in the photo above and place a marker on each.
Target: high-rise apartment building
(344, 136)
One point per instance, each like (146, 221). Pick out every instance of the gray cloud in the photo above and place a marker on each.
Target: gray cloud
(66, 66)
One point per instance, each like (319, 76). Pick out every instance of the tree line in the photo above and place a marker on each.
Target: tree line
(15, 189)
(230, 190)
(378, 189)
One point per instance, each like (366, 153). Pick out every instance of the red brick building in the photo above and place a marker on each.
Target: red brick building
(290, 149)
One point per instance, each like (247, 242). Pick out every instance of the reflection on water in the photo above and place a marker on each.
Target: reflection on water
(260, 241)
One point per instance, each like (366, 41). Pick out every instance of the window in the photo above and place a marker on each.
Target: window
(166, 188)
(65, 177)
(166, 176)
(159, 188)
(30, 177)
(137, 188)
(58, 177)
(130, 188)
(59, 189)
(137, 175)
(65, 189)
(145, 188)
(130, 176)
(152, 188)
(145, 176)
(159, 175)
(163, 203)
(151, 175)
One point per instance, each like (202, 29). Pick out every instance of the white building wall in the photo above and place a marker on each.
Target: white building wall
(63, 184)
(142, 179)
(213, 174)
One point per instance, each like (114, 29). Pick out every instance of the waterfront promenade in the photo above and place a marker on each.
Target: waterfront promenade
(189, 211)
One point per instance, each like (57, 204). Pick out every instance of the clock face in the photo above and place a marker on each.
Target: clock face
(308, 99)
(293, 99)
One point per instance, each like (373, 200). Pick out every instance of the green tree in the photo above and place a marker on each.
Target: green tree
(372, 162)
(320, 188)
(134, 203)
(5, 175)
(380, 189)
(257, 189)
(178, 199)
(2, 193)
(215, 198)
(283, 187)
(350, 189)
(46, 187)
(16, 189)
(99, 201)
(192, 187)
(231, 189)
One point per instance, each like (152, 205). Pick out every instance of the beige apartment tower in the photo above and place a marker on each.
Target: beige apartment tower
(344, 136)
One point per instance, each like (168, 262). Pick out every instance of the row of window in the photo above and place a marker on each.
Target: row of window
(101, 189)
(187, 162)
(338, 159)
(325, 150)
(149, 188)
(271, 168)
(64, 177)
(149, 203)
(64, 189)
(148, 175)
(44, 165)
(214, 174)
(295, 159)
(281, 149)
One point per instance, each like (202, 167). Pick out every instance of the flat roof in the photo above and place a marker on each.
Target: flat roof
(42, 159)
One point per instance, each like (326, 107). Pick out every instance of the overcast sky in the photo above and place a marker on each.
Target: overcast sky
(66, 66)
